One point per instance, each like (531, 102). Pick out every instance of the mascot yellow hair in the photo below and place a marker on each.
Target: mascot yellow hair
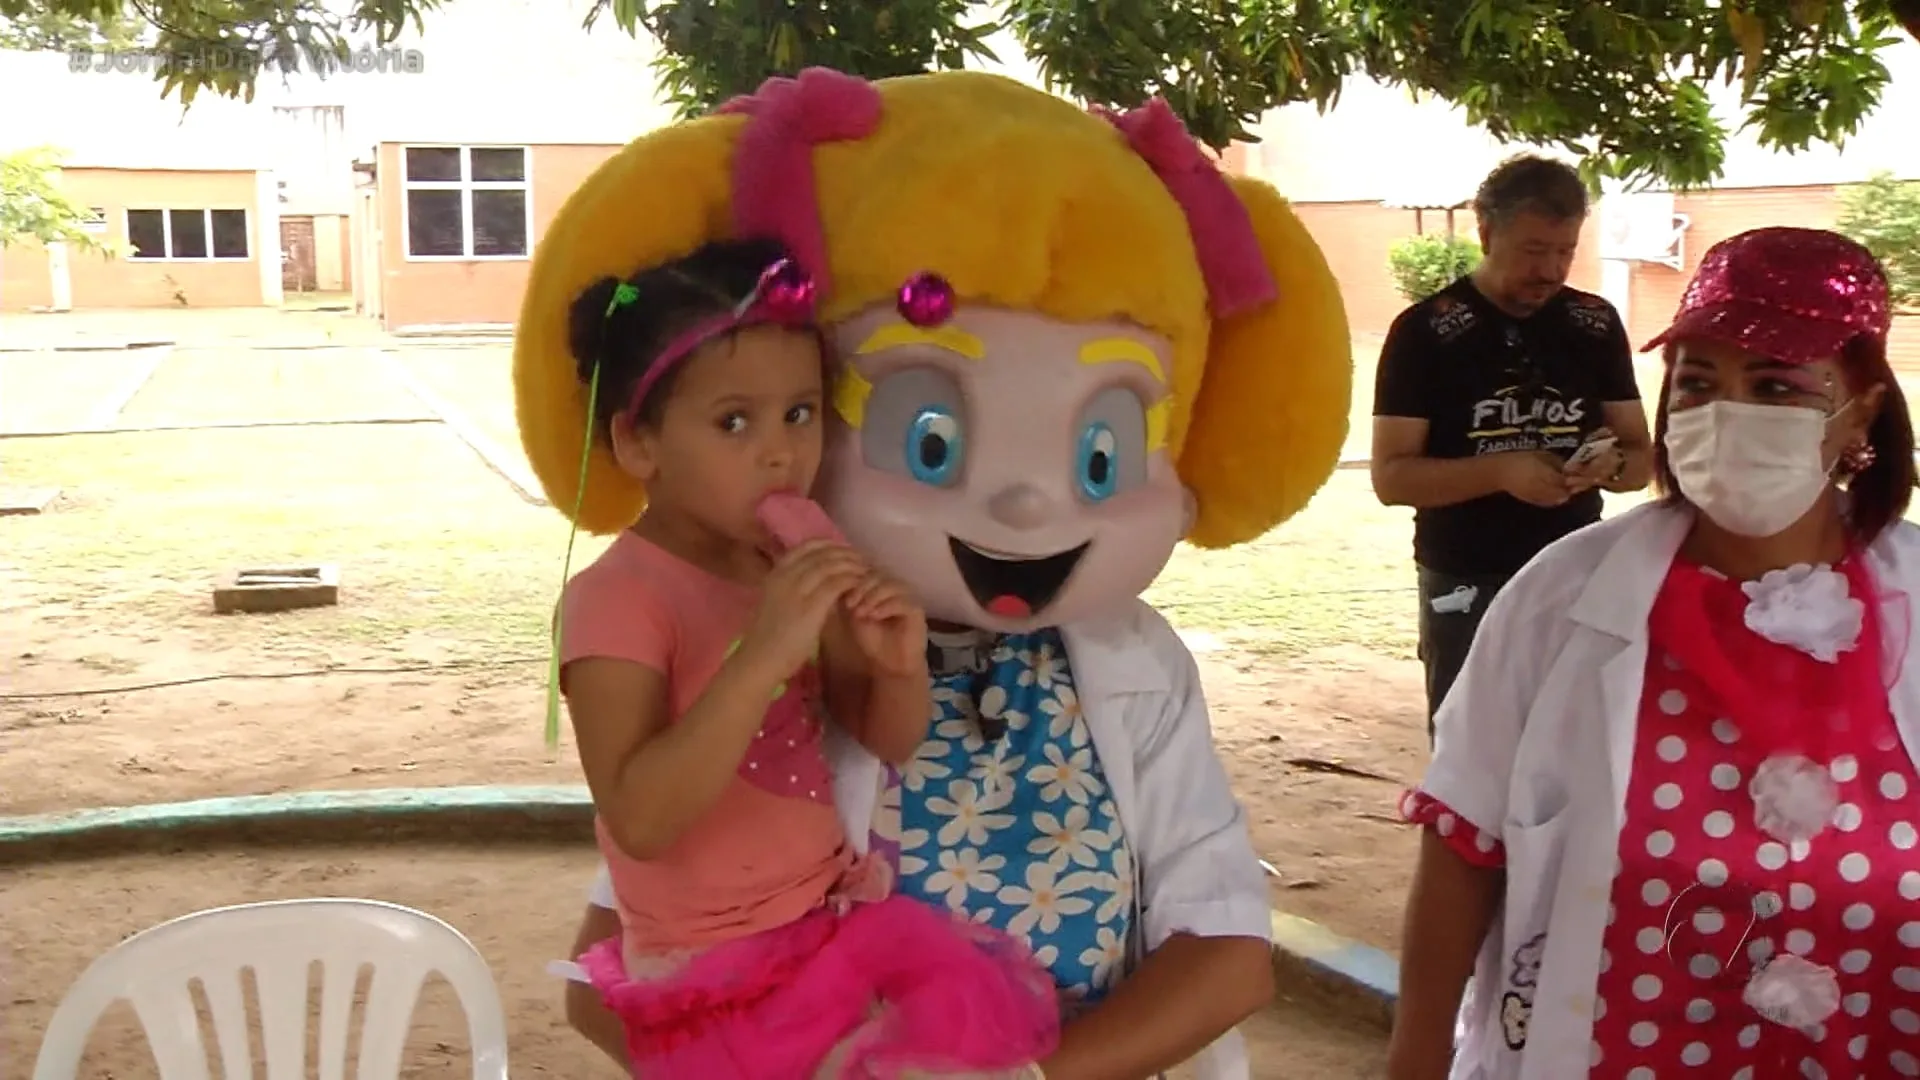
(1019, 200)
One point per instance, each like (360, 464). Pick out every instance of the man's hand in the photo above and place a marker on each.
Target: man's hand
(1536, 477)
(1597, 472)
(1598, 469)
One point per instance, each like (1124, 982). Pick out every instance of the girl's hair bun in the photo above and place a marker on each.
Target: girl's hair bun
(587, 324)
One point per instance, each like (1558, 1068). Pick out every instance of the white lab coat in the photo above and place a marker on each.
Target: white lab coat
(1534, 746)
(1196, 871)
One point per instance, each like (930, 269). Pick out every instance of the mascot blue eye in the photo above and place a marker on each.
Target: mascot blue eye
(935, 448)
(1096, 471)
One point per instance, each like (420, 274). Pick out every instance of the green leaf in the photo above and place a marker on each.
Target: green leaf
(1883, 215)
(34, 208)
(1423, 265)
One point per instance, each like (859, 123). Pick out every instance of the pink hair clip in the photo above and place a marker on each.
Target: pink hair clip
(926, 300)
(785, 295)
(774, 193)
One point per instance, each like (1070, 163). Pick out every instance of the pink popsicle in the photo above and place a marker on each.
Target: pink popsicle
(796, 519)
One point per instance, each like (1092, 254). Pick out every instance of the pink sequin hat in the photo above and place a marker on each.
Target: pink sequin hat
(1793, 295)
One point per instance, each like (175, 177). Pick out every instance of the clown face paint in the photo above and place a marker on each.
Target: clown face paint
(1008, 467)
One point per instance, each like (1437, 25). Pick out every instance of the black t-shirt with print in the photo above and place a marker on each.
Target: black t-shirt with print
(1487, 383)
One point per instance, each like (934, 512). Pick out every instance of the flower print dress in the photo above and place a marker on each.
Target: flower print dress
(1765, 909)
(1020, 832)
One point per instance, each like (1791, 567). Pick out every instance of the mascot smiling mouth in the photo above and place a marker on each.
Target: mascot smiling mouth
(1011, 586)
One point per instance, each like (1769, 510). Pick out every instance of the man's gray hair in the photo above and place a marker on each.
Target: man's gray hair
(1530, 183)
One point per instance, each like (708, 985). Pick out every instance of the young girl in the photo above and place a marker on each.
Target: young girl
(754, 944)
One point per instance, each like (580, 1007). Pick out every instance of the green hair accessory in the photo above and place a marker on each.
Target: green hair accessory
(573, 533)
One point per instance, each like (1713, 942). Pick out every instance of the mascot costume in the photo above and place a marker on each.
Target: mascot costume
(1064, 342)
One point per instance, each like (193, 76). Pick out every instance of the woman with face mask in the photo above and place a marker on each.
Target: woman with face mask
(1673, 817)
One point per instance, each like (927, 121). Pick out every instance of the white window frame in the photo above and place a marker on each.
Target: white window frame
(466, 186)
(166, 232)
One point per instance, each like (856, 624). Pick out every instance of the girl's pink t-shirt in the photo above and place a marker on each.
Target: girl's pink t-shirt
(772, 848)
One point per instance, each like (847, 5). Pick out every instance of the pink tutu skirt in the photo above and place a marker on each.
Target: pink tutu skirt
(885, 988)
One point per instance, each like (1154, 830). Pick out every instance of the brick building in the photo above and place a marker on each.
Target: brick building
(193, 203)
(421, 188)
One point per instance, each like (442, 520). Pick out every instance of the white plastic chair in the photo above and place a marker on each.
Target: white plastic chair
(280, 940)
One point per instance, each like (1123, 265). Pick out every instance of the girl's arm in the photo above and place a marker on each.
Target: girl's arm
(1449, 911)
(1180, 998)
(886, 713)
(652, 779)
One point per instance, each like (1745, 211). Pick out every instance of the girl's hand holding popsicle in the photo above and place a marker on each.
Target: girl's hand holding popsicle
(886, 623)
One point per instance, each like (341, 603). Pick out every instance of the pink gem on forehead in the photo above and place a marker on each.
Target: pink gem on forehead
(926, 300)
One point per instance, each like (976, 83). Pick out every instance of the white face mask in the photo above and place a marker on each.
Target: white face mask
(1753, 469)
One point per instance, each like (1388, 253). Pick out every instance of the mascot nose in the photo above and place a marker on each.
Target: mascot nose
(1020, 506)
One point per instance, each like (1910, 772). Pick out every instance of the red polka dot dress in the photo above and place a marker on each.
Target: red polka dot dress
(1765, 915)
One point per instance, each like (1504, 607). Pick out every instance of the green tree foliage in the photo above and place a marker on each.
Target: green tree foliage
(34, 209)
(224, 46)
(50, 28)
(714, 51)
(1622, 83)
(1423, 265)
(1883, 214)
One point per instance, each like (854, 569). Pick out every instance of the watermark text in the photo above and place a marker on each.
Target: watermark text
(364, 60)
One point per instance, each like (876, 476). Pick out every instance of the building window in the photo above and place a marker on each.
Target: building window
(466, 202)
(188, 234)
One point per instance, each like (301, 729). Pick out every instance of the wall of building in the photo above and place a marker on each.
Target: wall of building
(1356, 237)
(415, 292)
(333, 251)
(1714, 216)
(312, 159)
(26, 278)
(97, 282)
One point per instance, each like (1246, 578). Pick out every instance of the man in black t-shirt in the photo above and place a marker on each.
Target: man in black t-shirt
(1484, 392)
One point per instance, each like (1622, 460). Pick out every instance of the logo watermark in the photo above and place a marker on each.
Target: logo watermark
(365, 60)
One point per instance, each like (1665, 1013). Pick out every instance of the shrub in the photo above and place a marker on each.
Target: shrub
(1883, 215)
(1423, 265)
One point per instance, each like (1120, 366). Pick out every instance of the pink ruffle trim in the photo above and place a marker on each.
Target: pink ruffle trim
(1467, 841)
(885, 988)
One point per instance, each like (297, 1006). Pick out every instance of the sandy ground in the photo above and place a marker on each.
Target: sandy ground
(504, 900)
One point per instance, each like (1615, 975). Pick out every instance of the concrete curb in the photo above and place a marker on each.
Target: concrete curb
(466, 814)
(510, 467)
(1356, 975)
(107, 412)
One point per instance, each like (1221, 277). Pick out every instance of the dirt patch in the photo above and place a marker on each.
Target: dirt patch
(517, 905)
(1318, 748)
(423, 729)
